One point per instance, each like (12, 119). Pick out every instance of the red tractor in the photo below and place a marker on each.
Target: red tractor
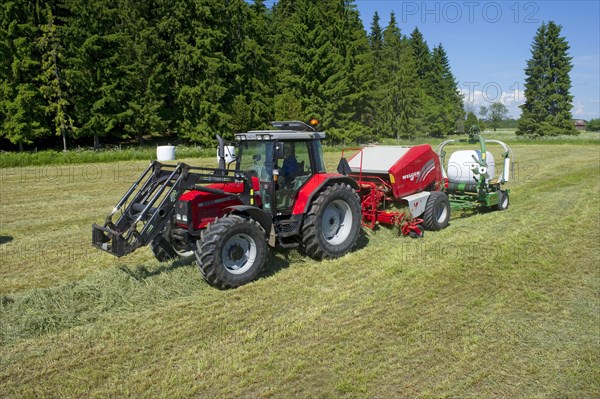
(278, 194)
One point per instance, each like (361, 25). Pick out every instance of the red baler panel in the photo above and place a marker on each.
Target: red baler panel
(415, 171)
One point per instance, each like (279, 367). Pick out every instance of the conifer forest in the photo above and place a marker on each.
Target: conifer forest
(113, 70)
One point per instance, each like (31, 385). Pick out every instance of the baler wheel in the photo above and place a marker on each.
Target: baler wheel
(502, 200)
(232, 251)
(437, 211)
(420, 234)
(332, 224)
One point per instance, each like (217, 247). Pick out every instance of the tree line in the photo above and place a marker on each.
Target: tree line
(113, 70)
(123, 70)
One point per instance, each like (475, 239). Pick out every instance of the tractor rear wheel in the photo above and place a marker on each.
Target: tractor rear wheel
(502, 200)
(232, 251)
(437, 211)
(333, 223)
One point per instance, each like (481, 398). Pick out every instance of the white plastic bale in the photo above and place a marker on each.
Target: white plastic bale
(165, 153)
(461, 163)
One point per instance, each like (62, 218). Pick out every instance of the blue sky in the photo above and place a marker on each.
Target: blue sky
(488, 43)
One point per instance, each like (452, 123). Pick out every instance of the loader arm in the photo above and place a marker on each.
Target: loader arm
(148, 205)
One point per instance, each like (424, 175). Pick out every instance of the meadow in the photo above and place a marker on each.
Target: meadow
(498, 305)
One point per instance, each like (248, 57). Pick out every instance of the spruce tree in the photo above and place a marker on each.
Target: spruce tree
(472, 121)
(548, 102)
(54, 87)
(422, 54)
(247, 49)
(399, 96)
(376, 36)
(445, 101)
(97, 68)
(22, 117)
(321, 59)
(349, 98)
(144, 72)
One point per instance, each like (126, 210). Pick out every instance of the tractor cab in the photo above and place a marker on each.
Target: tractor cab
(282, 160)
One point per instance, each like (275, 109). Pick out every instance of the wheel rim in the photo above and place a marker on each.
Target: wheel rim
(504, 201)
(441, 213)
(336, 224)
(239, 254)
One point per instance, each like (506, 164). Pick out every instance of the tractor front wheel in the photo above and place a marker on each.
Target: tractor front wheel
(166, 246)
(332, 224)
(232, 251)
(437, 211)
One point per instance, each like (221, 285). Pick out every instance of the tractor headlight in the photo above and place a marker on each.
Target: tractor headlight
(178, 217)
(184, 218)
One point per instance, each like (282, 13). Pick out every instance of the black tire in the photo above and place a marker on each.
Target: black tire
(503, 201)
(333, 222)
(162, 250)
(232, 251)
(420, 234)
(165, 247)
(437, 211)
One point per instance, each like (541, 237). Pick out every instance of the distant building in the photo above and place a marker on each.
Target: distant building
(580, 124)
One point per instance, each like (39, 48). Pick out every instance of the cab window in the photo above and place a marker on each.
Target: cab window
(256, 157)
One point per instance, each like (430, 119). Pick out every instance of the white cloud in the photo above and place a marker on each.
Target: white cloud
(478, 98)
(578, 110)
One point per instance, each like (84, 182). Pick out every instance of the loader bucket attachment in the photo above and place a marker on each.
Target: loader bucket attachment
(110, 241)
(144, 209)
(148, 205)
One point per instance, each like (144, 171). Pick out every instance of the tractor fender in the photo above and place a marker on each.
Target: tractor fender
(258, 214)
(314, 186)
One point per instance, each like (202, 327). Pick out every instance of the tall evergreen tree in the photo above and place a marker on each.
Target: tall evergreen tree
(350, 98)
(398, 97)
(97, 67)
(144, 74)
(376, 36)
(319, 49)
(201, 69)
(54, 87)
(387, 123)
(22, 117)
(422, 54)
(247, 49)
(548, 101)
(445, 101)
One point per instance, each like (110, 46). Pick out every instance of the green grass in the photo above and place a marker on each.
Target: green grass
(499, 304)
(79, 156)
(508, 136)
(146, 153)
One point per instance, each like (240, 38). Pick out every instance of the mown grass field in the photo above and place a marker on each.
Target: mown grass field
(500, 304)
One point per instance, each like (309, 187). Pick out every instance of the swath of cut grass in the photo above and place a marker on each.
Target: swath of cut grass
(499, 304)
